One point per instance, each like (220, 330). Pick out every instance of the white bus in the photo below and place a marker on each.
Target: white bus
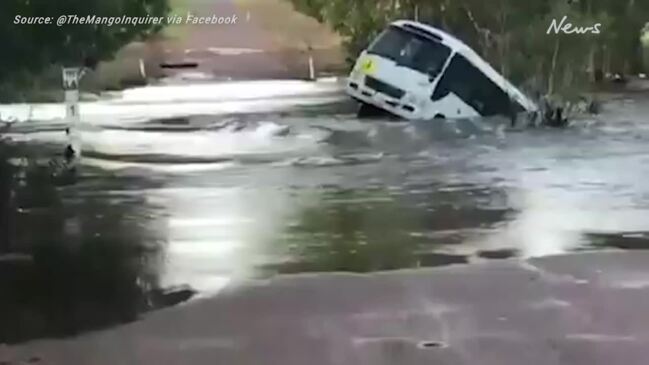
(415, 71)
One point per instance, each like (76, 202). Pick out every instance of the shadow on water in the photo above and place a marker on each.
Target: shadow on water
(58, 275)
(62, 291)
(623, 241)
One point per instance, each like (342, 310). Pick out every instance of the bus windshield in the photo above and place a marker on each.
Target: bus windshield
(411, 50)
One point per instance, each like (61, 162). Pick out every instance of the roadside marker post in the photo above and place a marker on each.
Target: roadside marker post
(142, 69)
(311, 64)
(71, 77)
(311, 68)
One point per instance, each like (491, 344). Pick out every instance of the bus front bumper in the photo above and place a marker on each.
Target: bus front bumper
(357, 90)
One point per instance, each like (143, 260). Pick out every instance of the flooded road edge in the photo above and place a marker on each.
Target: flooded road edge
(543, 310)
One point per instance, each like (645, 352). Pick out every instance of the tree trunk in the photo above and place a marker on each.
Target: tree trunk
(591, 63)
(539, 79)
(568, 76)
(553, 69)
(6, 207)
(482, 33)
(605, 64)
(503, 43)
(608, 61)
(442, 8)
(632, 64)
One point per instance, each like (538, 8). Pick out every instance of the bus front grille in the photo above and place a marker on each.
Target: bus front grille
(384, 88)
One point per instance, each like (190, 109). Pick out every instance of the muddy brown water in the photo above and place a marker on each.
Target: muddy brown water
(184, 201)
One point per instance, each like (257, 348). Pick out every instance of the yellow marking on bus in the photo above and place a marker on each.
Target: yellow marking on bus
(368, 66)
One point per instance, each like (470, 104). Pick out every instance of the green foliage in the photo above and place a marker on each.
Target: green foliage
(511, 34)
(29, 49)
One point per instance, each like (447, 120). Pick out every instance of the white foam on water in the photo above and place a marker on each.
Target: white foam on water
(182, 100)
(243, 90)
(226, 143)
(170, 168)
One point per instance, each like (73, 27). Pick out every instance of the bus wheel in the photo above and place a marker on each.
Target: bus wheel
(439, 117)
(369, 111)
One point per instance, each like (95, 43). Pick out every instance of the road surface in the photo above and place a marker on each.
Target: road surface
(581, 309)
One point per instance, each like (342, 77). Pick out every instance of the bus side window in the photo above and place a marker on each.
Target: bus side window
(494, 99)
(440, 91)
(456, 80)
(473, 87)
(459, 79)
(443, 87)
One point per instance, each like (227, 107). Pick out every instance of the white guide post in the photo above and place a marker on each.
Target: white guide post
(312, 73)
(71, 78)
(311, 68)
(142, 69)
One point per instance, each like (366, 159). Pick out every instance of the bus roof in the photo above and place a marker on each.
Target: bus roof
(466, 51)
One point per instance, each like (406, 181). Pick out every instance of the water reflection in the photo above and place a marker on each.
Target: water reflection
(375, 229)
(70, 263)
(61, 291)
(217, 224)
(207, 235)
(543, 226)
(350, 231)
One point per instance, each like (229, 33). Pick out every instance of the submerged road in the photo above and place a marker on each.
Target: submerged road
(579, 309)
(239, 50)
(260, 44)
(470, 242)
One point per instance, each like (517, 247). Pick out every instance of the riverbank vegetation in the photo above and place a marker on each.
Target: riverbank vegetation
(512, 35)
(31, 50)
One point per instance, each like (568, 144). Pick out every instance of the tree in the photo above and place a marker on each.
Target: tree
(644, 40)
(510, 34)
(30, 48)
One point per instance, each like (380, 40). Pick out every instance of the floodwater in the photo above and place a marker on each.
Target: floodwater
(185, 190)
